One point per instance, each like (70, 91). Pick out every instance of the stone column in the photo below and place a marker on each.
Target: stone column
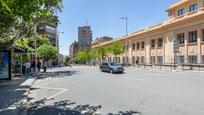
(147, 51)
(186, 47)
(199, 40)
(130, 51)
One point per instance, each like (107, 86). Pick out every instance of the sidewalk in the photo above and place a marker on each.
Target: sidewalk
(13, 95)
(166, 69)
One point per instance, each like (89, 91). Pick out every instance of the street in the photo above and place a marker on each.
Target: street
(145, 92)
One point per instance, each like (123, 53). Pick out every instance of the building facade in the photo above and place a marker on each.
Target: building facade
(180, 38)
(84, 37)
(73, 48)
(48, 28)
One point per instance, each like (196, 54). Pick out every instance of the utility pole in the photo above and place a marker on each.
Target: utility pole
(126, 40)
(57, 45)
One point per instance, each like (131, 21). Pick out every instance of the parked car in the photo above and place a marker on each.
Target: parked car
(111, 67)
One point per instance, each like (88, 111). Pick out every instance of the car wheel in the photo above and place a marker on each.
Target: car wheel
(101, 70)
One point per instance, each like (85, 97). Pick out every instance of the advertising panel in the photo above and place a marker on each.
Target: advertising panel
(5, 72)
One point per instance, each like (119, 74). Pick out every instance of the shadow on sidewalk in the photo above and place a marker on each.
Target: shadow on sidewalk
(11, 96)
(69, 108)
(56, 74)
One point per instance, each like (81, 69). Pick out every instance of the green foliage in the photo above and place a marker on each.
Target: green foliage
(40, 40)
(102, 51)
(117, 48)
(47, 52)
(23, 43)
(66, 59)
(83, 56)
(94, 54)
(18, 17)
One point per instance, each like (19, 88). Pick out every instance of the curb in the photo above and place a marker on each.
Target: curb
(29, 82)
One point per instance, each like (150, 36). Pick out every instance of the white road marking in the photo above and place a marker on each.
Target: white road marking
(62, 90)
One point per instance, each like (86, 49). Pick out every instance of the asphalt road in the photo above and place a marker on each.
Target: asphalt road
(149, 92)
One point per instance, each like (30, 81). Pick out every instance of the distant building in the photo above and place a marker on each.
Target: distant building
(84, 38)
(61, 58)
(100, 40)
(73, 49)
(48, 28)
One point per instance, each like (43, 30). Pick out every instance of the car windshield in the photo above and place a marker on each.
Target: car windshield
(114, 64)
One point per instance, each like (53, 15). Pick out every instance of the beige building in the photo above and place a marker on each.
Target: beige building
(180, 38)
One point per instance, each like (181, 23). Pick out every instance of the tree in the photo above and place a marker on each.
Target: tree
(83, 57)
(94, 54)
(23, 43)
(19, 17)
(117, 48)
(40, 40)
(66, 60)
(47, 52)
(102, 51)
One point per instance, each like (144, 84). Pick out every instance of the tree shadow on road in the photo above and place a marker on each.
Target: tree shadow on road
(11, 96)
(69, 108)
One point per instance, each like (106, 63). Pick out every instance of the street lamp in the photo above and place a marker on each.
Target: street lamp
(126, 40)
(35, 52)
(57, 44)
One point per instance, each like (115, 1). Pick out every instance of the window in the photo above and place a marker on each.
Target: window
(137, 59)
(142, 45)
(142, 60)
(160, 59)
(192, 59)
(152, 59)
(181, 12)
(192, 36)
(114, 59)
(123, 59)
(118, 59)
(153, 43)
(133, 59)
(181, 59)
(160, 42)
(181, 38)
(138, 45)
(193, 7)
(202, 59)
(133, 46)
(203, 34)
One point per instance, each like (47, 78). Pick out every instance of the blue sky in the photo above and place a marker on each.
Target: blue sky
(104, 17)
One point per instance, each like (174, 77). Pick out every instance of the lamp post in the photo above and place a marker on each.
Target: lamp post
(35, 40)
(57, 44)
(126, 40)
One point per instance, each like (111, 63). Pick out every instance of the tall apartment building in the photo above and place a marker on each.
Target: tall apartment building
(156, 44)
(48, 28)
(84, 37)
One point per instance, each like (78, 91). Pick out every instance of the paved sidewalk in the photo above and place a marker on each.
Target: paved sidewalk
(13, 95)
